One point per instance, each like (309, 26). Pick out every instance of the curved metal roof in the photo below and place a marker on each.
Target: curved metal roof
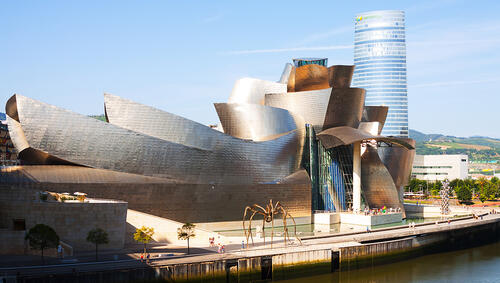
(338, 136)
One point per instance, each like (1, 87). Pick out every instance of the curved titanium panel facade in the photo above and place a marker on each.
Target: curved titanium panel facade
(369, 127)
(310, 105)
(398, 161)
(256, 122)
(159, 124)
(285, 76)
(76, 175)
(375, 114)
(334, 137)
(377, 185)
(340, 76)
(253, 91)
(345, 108)
(90, 142)
(310, 77)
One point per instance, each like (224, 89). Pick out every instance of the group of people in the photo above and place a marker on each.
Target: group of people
(411, 225)
(220, 247)
(477, 216)
(382, 210)
(145, 256)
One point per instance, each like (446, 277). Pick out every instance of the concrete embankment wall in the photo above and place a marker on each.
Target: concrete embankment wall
(370, 254)
(308, 261)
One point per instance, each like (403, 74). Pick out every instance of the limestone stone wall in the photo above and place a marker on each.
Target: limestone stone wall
(11, 242)
(195, 202)
(71, 220)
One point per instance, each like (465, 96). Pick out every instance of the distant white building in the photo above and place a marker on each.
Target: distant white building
(440, 167)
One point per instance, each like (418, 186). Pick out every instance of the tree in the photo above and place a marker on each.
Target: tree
(454, 183)
(486, 189)
(144, 235)
(97, 236)
(186, 232)
(436, 187)
(472, 186)
(464, 193)
(41, 237)
(495, 183)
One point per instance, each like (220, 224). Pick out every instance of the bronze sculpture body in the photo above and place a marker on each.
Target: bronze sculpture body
(268, 214)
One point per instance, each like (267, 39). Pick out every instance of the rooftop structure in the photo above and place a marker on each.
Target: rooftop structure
(299, 62)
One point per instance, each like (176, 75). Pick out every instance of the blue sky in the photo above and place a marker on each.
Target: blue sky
(183, 56)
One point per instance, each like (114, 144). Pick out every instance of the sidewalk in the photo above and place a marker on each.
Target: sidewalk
(128, 253)
(235, 251)
(161, 251)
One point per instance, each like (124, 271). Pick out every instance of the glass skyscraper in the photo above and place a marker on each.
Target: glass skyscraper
(380, 59)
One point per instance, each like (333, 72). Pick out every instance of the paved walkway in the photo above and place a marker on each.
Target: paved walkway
(235, 251)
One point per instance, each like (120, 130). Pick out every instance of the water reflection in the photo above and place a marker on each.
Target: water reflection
(480, 264)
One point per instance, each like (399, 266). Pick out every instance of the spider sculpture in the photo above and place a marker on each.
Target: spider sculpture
(268, 214)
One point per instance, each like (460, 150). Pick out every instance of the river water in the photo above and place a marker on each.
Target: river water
(479, 264)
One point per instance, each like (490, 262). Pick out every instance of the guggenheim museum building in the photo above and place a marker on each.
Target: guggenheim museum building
(307, 141)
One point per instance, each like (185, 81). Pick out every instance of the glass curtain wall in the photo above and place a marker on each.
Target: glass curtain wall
(380, 60)
(331, 174)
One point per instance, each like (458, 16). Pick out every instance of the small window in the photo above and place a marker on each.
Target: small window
(19, 224)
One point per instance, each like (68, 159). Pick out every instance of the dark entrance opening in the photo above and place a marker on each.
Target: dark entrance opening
(335, 261)
(232, 271)
(266, 265)
(19, 224)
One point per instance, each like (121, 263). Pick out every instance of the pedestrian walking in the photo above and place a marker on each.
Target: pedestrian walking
(147, 258)
(59, 251)
(142, 257)
(242, 244)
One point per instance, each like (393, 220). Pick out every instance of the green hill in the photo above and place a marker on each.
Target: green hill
(99, 117)
(477, 148)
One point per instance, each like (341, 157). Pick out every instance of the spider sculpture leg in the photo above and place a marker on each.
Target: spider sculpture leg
(244, 219)
(263, 229)
(250, 228)
(262, 212)
(295, 229)
(271, 213)
(285, 230)
(285, 227)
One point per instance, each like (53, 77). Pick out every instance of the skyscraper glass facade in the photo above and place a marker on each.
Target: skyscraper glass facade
(380, 60)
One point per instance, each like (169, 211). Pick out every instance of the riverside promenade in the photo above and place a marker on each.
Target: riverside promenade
(328, 253)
